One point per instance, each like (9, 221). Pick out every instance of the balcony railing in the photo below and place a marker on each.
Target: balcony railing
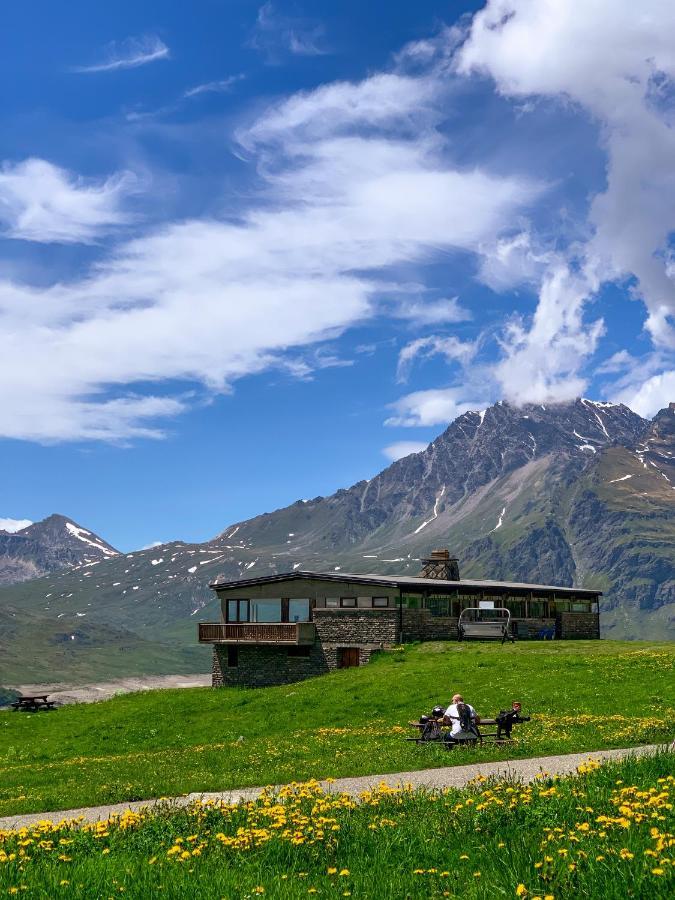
(257, 633)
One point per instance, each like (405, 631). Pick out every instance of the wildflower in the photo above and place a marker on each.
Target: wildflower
(521, 890)
(464, 856)
(332, 870)
(476, 874)
(624, 853)
(259, 889)
(105, 851)
(344, 872)
(64, 882)
(657, 871)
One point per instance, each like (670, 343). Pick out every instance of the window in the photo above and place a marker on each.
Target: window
(538, 609)
(301, 651)
(237, 611)
(332, 602)
(347, 601)
(232, 656)
(517, 607)
(380, 601)
(298, 610)
(438, 606)
(266, 610)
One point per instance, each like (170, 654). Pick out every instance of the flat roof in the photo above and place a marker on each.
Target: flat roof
(400, 581)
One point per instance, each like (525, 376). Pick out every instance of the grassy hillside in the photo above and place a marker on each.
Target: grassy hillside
(607, 832)
(582, 696)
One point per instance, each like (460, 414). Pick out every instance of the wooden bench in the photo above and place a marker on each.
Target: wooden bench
(33, 703)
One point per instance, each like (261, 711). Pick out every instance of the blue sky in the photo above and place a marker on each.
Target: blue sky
(251, 252)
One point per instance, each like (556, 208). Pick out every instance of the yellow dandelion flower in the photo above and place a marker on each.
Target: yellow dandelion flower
(657, 871)
(332, 870)
(344, 872)
(521, 890)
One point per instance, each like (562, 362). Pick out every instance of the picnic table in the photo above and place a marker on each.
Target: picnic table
(33, 702)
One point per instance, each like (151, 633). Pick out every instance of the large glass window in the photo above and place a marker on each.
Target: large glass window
(237, 611)
(267, 610)
(380, 601)
(332, 602)
(298, 610)
(347, 601)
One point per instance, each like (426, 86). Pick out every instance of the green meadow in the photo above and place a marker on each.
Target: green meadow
(581, 696)
(605, 833)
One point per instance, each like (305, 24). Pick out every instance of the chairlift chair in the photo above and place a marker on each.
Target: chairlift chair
(476, 624)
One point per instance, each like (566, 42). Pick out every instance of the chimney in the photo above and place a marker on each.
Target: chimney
(440, 565)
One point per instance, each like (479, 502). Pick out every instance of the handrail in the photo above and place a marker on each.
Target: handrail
(257, 632)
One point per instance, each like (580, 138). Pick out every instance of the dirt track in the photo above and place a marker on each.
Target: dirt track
(89, 693)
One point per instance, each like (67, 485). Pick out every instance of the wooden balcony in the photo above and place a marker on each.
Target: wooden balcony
(257, 633)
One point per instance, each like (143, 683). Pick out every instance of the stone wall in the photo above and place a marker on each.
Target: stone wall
(261, 665)
(356, 627)
(571, 626)
(420, 625)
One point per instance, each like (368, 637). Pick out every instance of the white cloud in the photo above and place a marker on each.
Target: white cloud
(652, 395)
(438, 406)
(208, 301)
(213, 87)
(542, 362)
(41, 202)
(404, 448)
(14, 525)
(128, 54)
(613, 63)
(451, 348)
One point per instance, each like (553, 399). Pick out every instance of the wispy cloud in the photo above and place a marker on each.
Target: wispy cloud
(213, 87)
(352, 181)
(42, 202)
(128, 54)
(276, 34)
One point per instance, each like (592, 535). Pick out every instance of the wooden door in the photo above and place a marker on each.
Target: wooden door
(349, 656)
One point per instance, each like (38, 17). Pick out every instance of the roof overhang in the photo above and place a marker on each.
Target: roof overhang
(416, 584)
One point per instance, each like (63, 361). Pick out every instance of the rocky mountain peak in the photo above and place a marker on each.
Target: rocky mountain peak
(49, 545)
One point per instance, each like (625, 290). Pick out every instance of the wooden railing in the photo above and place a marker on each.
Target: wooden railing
(257, 633)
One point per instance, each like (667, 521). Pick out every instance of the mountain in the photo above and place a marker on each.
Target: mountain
(575, 493)
(47, 546)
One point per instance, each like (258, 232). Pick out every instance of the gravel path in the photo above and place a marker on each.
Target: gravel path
(64, 693)
(524, 770)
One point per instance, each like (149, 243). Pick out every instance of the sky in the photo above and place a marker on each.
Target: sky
(251, 253)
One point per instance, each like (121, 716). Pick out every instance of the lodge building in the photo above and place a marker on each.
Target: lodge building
(278, 629)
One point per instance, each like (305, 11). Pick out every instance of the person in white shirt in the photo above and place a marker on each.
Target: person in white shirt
(452, 715)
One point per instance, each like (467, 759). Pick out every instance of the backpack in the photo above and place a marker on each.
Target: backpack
(464, 715)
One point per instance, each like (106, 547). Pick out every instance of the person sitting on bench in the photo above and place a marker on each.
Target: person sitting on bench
(507, 718)
(461, 717)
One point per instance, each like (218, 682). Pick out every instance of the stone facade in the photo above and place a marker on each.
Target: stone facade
(571, 626)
